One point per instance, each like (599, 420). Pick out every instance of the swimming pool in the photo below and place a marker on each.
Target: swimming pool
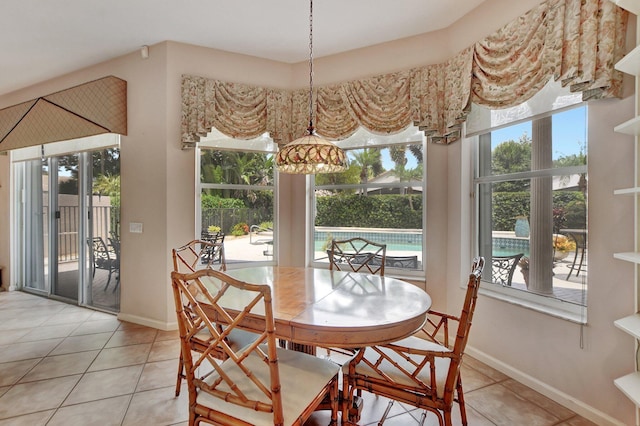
(396, 241)
(505, 246)
(408, 240)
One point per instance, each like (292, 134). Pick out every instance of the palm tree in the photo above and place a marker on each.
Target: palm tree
(108, 185)
(370, 162)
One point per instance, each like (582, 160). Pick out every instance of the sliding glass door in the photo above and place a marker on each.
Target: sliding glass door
(67, 227)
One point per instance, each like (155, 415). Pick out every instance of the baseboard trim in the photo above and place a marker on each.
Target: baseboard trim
(577, 406)
(165, 326)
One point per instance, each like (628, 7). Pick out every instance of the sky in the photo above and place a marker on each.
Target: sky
(569, 132)
(569, 136)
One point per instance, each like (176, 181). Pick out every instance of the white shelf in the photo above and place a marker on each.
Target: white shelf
(631, 127)
(629, 256)
(627, 191)
(630, 325)
(630, 386)
(630, 64)
(632, 6)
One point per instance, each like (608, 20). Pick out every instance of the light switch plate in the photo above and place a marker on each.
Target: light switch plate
(135, 227)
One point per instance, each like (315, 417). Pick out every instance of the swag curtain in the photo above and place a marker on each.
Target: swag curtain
(576, 42)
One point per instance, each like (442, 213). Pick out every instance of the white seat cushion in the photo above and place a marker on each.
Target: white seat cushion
(302, 377)
(236, 339)
(442, 364)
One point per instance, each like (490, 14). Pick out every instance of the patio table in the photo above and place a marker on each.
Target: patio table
(580, 238)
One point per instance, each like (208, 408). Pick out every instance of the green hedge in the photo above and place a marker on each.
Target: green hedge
(379, 211)
(508, 205)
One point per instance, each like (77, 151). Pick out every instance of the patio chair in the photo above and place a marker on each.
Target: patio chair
(421, 370)
(214, 253)
(503, 267)
(189, 258)
(198, 254)
(106, 259)
(358, 255)
(259, 384)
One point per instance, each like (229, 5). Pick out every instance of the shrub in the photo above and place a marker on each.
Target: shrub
(240, 229)
(569, 209)
(214, 229)
(380, 211)
(266, 225)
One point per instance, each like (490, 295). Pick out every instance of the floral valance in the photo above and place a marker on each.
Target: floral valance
(576, 42)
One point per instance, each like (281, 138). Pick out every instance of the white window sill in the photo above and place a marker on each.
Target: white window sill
(539, 303)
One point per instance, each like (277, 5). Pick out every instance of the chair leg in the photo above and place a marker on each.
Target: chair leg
(180, 374)
(447, 419)
(386, 413)
(423, 418)
(463, 409)
(108, 281)
(333, 395)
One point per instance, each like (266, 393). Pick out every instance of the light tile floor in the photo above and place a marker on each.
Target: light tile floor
(65, 365)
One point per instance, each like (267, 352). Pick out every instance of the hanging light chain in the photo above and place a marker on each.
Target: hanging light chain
(310, 67)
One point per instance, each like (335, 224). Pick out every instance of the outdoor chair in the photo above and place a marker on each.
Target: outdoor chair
(503, 267)
(259, 384)
(189, 258)
(106, 259)
(215, 252)
(421, 370)
(198, 254)
(358, 255)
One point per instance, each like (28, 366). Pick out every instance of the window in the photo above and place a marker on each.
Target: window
(531, 185)
(379, 197)
(237, 196)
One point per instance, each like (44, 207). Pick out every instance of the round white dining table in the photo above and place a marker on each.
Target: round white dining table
(320, 307)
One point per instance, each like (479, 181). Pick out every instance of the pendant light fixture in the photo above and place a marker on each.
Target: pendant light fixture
(311, 154)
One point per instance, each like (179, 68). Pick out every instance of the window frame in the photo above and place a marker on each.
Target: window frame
(538, 302)
(201, 185)
(348, 144)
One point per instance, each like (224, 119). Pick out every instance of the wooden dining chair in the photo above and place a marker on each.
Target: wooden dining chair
(358, 255)
(422, 370)
(199, 254)
(259, 384)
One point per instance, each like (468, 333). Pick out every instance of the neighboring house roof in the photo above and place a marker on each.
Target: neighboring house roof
(390, 177)
(566, 183)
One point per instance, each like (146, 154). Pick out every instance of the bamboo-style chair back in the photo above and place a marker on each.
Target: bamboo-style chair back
(436, 328)
(256, 392)
(358, 255)
(247, 388)
(422, 370)
(199, 254)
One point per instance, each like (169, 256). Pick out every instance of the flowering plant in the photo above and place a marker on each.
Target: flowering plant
(240, 229)
(563, 244)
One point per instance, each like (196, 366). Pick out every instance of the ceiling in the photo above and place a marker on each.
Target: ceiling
(43, 39)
